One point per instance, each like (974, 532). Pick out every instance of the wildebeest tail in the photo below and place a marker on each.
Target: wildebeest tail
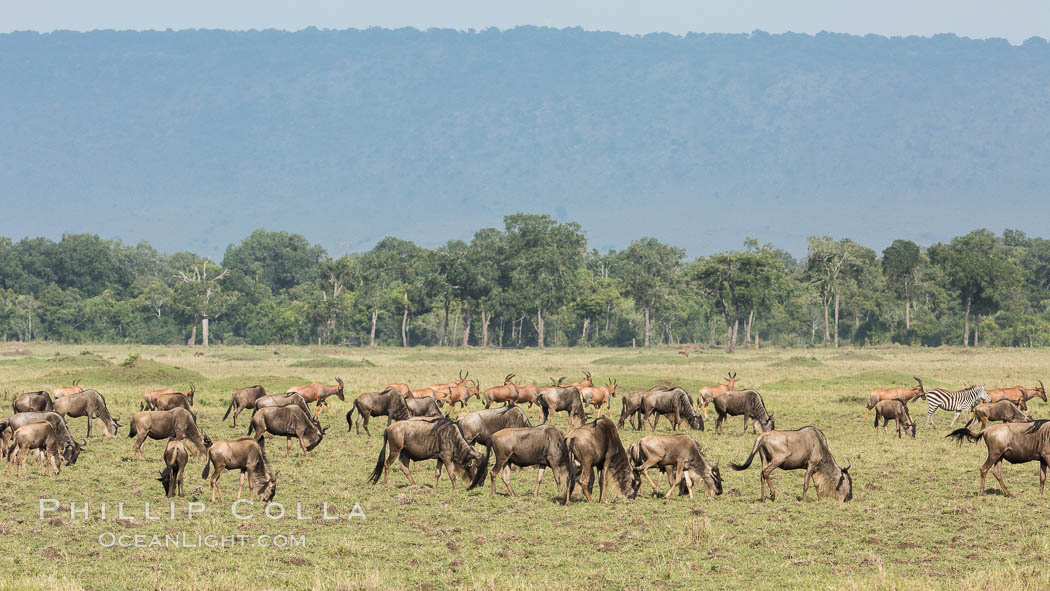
(207, 465)
(744, 466)
(350, 417)
(959, 434)
(635, 454)
(131, 431)
(374, 478)
(483, 469)
(228, 409)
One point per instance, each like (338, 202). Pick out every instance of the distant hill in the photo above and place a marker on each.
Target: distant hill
(194, 138)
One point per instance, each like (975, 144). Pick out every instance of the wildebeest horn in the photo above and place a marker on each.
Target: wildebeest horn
(848, 466)
(83, 444)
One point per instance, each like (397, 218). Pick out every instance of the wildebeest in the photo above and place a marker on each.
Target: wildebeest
(748, 403)
(33, 402)
(1003, 410)
(905, 394)
(894, 409)
(1019, 395)
(542, 446)
(507, 393)
(288, 421)
(1016, 443)
(388, 403)
(419, 439)
(793, 450)
(242, 399)
(247, 455)
(90, 404)
(597, 445)
(707, 394)
(167, 424)
(286, 399)
(319, 393)
(562, 398)
(478, 426)
(678, 455)
(420, 407)
(674, 404)
(150, 397)
(175, 458)
(70, 447)
(40, 436)
(599, 396)
(61, 391)
(631, 407)
(171, 400)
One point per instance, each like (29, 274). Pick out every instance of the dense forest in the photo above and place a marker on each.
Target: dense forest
(534, 282)
(191, 139)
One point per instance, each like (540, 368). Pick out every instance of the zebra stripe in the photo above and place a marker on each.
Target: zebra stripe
(962, 400)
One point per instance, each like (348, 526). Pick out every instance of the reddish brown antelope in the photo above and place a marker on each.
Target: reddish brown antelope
(67, 390)
(905, 394)
(794, 450)
(175, 458)
(707, 394)
(1016, 443)
(402, 389)
(247, 455)
(507, 393)
(242, 399)
(318, 393)
(679, 455)
(599, 396)
(1019, 395)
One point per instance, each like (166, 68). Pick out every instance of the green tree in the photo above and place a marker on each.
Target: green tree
(278, 260)
(648, 269)
(900, 264)
(199, 293)
(829, 265)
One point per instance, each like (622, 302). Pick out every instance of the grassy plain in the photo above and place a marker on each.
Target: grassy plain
(915, 520)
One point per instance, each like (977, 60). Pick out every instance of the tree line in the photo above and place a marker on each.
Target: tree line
(535, 282)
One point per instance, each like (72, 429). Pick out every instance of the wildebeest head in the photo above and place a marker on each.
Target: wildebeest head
(320, 436)
(696, 422)
(71, 450)
(709, 475)
(769, 424)
(268, 489)
(477, 466)
(207, 440)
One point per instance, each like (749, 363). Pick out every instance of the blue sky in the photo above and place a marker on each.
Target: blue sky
(1015, 20)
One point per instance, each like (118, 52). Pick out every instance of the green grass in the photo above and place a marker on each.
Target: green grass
(332, 362)
(915, 522)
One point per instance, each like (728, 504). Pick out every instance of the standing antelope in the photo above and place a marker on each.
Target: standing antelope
(507, 393)
(318, 393)
(707, 394)
(599, 396)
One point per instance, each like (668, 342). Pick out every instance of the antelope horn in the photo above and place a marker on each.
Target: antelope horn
(560, 380)
(587, 374)
(461, 374)
(1041, 387)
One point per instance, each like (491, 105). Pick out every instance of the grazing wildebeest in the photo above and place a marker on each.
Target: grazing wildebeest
(748, 403)
(507, 393)
(905, 394)
(478, 426)
(674, 404)
(319, 393)
(599, 396)
(90, 404)
(33, 402)
(167, 424)
(40, 436)
(286, 399)
(242, 399)
(542, 446)
(249, 456)
(1003, 410)
(61, 391)
(288, 421)
(388, 403)
(151, 395)
(597, 445)
(793, 450)
(707, 394)
(419, 439)
(175, 458)
(1016, 443)
(1019, 395)
(962, 400)
(70, 447)
(631, 406)
(678, 455)
(562, 398)
(896, 410)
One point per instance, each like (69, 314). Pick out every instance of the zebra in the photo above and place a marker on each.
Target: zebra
(963, 400)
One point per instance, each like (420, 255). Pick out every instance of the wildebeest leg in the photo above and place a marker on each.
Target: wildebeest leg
(451, 472)
(539, 479)
(139, 442)
(586, 468)
(240, 484)
(404, 467)
(437, 476)
(680, 468)
(644, 469)
(89, 425)
(805, 481)
(235, 413)
(767, 473)
(302, 442)
(718, 421)
(288, 445)
(1042, 474)
(602, 473)
(998, 472)
(215, 481)
(365, 417)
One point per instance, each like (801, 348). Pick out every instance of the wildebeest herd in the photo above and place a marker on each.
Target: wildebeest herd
(489, 442)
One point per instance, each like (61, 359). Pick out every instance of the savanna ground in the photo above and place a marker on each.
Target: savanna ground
(915, 520)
